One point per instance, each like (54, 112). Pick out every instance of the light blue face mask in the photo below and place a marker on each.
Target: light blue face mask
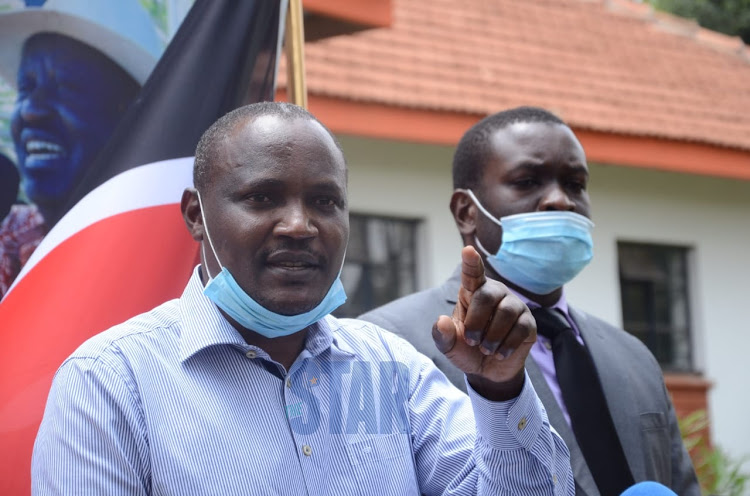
(224, 291)
(540, 251)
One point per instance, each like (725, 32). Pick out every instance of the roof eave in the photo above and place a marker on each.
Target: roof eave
(375, 120)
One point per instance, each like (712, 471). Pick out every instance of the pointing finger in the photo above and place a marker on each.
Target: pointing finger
(472, 269)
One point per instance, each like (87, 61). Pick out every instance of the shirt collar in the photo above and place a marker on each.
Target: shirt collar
(561, 304)
(203, 326)
(324, 335)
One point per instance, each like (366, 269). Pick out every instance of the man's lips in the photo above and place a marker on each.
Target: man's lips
(294, 260)
(41, 147)
(293, 265)
(43, 150)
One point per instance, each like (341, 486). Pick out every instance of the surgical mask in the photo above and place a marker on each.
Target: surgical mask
(226, 294)
(540, 251)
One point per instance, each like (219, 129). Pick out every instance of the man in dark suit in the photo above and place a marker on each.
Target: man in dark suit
(520, 198)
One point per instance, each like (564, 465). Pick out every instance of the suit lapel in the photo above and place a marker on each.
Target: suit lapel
(585, 484)
(611, 370)
(450, 287)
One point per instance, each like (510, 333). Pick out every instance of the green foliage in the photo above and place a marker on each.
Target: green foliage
(718, 473)
(157, 9)
(7, 99)
(730, 17)
(6, 5)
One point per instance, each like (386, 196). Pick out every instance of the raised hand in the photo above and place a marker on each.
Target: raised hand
(489, 334)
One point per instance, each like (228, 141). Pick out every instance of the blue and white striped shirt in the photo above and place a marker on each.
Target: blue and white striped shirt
(175, 402)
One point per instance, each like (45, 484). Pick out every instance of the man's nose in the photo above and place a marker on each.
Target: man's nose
(555, 198)
(296, 223)
(37, 104)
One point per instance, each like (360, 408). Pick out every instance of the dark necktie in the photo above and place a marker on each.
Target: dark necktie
(584, 399)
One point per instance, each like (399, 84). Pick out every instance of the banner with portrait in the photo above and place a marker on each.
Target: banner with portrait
(69, 69)
(102, 105)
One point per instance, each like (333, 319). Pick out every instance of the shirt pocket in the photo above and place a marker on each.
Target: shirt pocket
(657, 447)
(383, 465)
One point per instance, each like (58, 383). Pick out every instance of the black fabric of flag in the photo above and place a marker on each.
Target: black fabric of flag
(222, 56)
(584, 399)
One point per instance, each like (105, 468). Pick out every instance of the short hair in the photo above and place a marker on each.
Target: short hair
(473, 150)
(221, 129)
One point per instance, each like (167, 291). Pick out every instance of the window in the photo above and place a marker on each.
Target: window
(380, 262)
(655, 303)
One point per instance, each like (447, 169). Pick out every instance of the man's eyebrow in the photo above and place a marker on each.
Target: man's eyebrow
(263, 183)
(326, 186)
(273, 183)
(578, 169)
(528, 166)
(536, 167)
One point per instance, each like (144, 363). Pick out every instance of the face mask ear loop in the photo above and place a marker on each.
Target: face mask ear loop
(343, 260)
(208, 235)
(481, 248)
(486, 214)
(480, 207)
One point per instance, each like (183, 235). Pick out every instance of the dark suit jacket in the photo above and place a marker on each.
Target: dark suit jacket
(632, 380)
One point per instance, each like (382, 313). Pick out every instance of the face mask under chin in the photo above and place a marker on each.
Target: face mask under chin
(224, 291)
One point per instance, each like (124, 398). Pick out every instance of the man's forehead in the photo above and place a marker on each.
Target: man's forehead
(264, 144)
(274, 127)
(535, 136)
(522, 131)
(67, 56)
(267, 125)
(270, 130)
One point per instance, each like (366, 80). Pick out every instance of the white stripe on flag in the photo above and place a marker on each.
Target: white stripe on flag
(158, 183)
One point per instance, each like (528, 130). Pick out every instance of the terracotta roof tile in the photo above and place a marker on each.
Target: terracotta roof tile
(606, 65)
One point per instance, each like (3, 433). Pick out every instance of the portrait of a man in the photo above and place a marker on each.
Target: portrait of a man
(76, 67)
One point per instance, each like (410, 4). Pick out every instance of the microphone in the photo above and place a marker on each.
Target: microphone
(648, 488)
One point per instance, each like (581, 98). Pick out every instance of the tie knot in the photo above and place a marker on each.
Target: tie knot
(550, 322)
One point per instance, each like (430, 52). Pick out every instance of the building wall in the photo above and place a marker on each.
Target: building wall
(710, 216)
(408, 180)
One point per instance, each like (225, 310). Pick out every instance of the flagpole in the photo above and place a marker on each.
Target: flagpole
(294, 47)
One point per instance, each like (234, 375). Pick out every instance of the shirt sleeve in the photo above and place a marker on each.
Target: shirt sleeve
(466, 445)
(92, 438)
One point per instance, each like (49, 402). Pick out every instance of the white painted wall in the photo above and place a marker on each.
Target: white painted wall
(413, 181)
(712, 216)
(709, 215)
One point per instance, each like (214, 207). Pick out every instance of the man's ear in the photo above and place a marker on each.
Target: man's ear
(191, 212)
(465, 214)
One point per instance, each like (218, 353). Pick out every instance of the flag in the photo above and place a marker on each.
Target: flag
(123, 248)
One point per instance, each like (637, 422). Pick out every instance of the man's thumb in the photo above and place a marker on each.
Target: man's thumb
(472, 269)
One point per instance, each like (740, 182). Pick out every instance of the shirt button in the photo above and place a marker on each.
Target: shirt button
(289, 382)
(251, 354)
(522, 424)
(548, 345)
(554, 478)
(307, 450)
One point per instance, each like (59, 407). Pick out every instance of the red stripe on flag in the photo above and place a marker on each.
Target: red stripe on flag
(110, 271)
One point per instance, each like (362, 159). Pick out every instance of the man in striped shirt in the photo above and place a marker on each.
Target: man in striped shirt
(247, 385)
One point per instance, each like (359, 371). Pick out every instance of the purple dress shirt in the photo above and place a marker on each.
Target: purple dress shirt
(542, 350)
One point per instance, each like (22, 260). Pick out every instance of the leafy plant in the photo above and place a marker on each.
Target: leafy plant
(718, 473)
(7, 99)
(157, 9)
(731, 17)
